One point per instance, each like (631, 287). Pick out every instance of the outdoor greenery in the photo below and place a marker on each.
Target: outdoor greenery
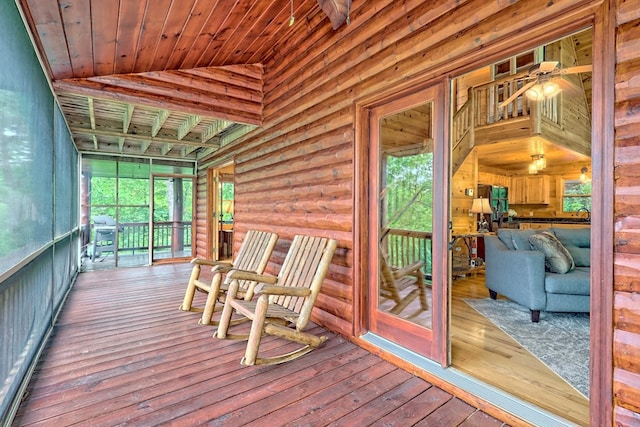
(133, 205)
(408, 203)
(577, 195)
(409, 192)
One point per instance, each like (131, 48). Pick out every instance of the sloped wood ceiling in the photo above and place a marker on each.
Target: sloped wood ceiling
(162, 77)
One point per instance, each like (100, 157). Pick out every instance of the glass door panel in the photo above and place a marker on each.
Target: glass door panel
(402, 305)
(172, 221)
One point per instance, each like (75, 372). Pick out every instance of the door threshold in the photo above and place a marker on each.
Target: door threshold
(499, 398)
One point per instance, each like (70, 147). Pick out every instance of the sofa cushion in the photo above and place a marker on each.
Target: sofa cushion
(556, 257)
(516, 239)
(575, 282)
(580, 237)
(578, 243)
(581, 256)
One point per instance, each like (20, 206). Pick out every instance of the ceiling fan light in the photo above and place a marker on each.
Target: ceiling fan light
(535, 93)
(550, 89)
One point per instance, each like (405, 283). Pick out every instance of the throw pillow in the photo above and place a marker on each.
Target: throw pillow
(556, 257)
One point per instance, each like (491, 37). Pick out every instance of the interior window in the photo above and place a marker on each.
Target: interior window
(576, 194)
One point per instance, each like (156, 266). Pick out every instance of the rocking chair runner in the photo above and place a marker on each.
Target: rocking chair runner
(283, 300)
(253, 256)
(394, 281)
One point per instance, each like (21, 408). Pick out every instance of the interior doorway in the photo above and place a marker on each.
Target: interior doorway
(536, 154)
(221, 211)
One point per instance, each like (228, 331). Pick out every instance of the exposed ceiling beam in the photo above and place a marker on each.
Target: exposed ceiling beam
(92, 113)
(138, 137)
(158, 121)
(215, 128)
(187, 125)
(126, 120)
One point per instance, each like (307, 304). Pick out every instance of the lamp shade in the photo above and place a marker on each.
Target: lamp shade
(481, 206)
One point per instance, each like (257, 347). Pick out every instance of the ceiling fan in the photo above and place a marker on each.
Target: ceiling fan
(544, 81)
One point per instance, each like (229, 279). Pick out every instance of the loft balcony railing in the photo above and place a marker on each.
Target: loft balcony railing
(482, 110)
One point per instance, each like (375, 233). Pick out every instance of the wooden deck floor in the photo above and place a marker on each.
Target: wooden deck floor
(123, 354)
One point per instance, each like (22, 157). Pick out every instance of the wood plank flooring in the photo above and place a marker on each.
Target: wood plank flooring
(123, 354)
(482, 350)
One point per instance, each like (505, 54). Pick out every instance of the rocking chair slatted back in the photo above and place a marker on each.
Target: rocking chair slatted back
(303, 268)
(251, 256)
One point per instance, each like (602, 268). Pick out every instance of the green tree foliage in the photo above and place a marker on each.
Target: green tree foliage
(577, 195)
(409, 192)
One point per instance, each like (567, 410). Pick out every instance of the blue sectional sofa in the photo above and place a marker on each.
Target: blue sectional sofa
(517, 271)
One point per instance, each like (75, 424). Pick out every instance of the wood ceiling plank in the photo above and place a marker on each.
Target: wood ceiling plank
(211, 29)
(76, 16)
(128, 33)
(175, 22)
(225, 75)
(269, 45)
(200, 14)
(104, 35)
(250, 25)
(45, 21)
(152, 33)
(233, 20)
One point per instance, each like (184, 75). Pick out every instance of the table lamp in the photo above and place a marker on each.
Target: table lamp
(481, 206)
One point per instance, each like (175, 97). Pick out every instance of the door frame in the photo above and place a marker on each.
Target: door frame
(368, 263)
(603, 19)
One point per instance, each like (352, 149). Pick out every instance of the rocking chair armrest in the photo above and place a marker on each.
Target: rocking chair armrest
(201, 261)
(266, 289)
(251, 276)
(408, 269)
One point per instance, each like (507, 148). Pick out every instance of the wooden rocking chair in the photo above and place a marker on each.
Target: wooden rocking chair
(395, 281)
(285, 302)
(253, 256)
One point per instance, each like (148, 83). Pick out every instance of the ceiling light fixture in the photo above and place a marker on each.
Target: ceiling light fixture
(543, 89)
(292, 18)
(538, 163)
(583, 174)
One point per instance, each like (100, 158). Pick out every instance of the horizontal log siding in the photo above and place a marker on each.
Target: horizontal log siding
(294, 174)
(626, 340)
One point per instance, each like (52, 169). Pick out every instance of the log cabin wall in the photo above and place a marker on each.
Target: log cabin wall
(295, 173)
(626, 316)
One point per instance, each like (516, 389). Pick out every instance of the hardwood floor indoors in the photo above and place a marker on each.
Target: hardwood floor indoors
(482, 350)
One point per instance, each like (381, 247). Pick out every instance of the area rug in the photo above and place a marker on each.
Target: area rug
(560, 340)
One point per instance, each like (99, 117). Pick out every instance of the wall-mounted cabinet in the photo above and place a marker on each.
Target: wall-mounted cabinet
(529, 190)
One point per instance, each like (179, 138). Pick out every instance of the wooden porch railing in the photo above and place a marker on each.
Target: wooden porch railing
(134, 236)
(405, 247)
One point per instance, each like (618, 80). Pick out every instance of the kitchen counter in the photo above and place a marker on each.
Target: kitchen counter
(558, 220)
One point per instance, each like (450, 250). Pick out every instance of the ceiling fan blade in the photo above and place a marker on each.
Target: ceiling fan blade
(568, 88)
(547, 66)
(576, 70)
(516, 94)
